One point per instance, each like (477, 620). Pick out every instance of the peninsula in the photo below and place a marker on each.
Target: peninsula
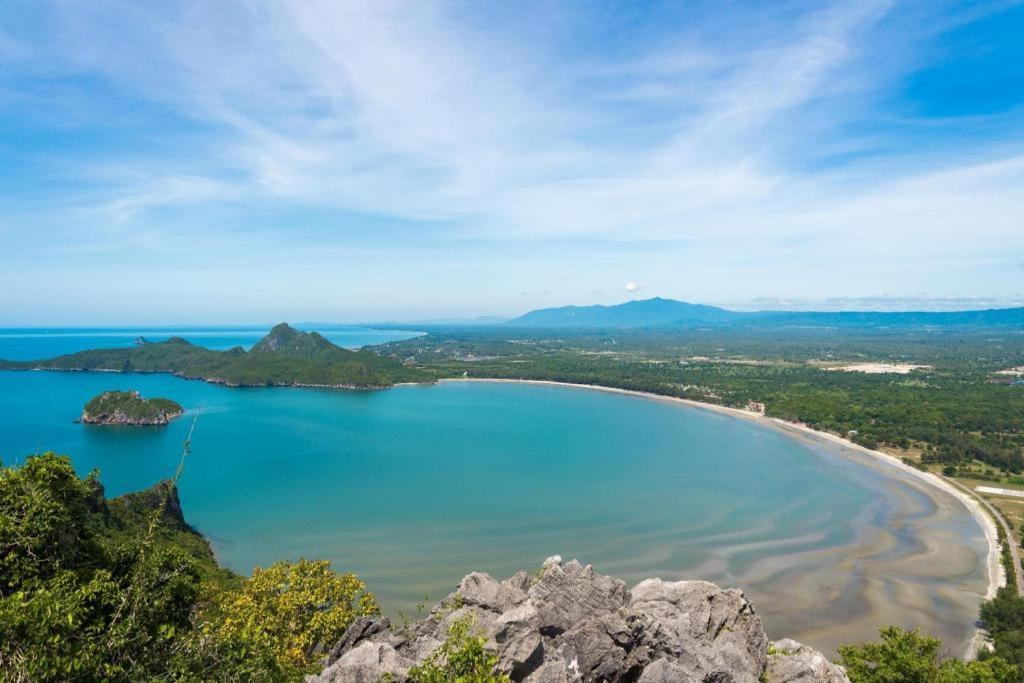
(129, 408)
(284, 357)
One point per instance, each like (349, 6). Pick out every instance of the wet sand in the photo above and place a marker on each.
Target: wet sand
(925, 556)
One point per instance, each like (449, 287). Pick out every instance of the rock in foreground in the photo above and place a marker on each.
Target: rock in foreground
(129, 408)
(571, 624)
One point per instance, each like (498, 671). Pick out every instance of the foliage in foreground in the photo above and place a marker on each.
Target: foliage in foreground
(292, 611)
(904, 656)
(462, 658)
(122, 590)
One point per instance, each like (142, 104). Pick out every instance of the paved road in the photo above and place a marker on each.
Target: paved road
(1010, 541)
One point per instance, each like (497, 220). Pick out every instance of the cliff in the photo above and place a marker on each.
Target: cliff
(569, 624)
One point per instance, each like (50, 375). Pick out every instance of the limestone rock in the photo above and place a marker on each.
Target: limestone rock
(703, 627)
(368, 663)
(363, 628)
(565, 595)
(569, 624)
(793, 662)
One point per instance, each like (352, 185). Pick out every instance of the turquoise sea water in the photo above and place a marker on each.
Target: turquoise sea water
(415, 486)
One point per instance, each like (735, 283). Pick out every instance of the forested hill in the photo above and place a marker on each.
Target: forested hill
(668, 313)
(646, 313)
(285, 357)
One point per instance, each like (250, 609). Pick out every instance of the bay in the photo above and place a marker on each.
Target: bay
(415, 486)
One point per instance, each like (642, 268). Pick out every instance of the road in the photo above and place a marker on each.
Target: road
(1010, 541)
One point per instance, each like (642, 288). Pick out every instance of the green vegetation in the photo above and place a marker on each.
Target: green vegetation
(284, 357)
(128, 407)
(294, 611)
(124, 590)
(1006, 557)
(953, 412)
(909, 657)
(1003, 618)
(462, 658)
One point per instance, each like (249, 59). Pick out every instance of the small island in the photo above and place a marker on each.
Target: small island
(129, 408)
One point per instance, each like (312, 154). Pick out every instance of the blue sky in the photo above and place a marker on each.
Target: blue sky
(261, 161)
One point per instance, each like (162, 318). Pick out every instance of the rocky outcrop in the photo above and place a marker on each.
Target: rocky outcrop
(570, 624)
(793, 662)
(129, 408)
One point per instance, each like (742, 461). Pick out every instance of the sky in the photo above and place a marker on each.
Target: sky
(231, 162)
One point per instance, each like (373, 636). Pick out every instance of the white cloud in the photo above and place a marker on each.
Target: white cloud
(705, 149)
(635, 286)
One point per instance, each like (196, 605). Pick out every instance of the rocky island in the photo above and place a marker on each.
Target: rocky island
(129, 408)
(284, 357)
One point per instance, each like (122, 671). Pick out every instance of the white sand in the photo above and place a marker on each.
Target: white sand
(881, 368)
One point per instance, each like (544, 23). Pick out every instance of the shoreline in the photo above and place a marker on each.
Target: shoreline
(993, 564)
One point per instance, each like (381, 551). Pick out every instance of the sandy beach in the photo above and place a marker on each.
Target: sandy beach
(883, 608)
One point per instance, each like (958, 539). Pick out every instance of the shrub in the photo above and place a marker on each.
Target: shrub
(910, 657)
(462, 658)
(291, 611)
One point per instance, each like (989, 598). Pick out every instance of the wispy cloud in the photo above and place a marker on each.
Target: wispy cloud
(765, 135)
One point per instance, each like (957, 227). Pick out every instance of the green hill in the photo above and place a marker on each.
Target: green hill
(285, 357)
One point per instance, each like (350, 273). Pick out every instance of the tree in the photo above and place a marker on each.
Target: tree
(905, 656)
(44, 521)
(1003, 618)
(292, 611)
(128, 591)
(76, 602)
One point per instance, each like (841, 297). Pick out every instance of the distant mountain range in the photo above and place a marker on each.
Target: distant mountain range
(668, 313)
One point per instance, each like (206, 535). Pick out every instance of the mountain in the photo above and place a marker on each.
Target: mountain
(284, 357)
(285, 340)
(668, 313)
(654, 312)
